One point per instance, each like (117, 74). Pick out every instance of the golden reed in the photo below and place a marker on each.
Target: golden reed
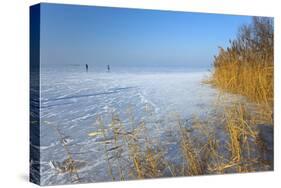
(246, 66)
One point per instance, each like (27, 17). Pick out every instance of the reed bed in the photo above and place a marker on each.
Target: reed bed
(133, 154)
(246, 66)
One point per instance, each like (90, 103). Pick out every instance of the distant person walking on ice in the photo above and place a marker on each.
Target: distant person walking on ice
(87, 67)
(108, 68)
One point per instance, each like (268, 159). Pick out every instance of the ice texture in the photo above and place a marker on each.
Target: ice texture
(71, 101)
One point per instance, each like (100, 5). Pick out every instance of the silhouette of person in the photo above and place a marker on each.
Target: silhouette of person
(108, 68)
(87, 67)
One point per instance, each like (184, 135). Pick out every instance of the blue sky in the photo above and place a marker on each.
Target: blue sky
(98, 36)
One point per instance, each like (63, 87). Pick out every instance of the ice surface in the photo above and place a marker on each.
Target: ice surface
(72, 100)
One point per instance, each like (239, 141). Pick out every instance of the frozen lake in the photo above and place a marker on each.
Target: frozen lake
(71, 101)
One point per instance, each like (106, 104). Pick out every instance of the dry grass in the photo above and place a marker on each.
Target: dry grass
(252, 80)
(246, 66)
(240, 131)
(136, 155)
(190, 155)
(69, 164)
(132, 152)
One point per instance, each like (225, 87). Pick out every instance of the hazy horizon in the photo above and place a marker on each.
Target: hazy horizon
(134, 38)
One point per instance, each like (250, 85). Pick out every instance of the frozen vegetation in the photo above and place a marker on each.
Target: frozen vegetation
(97, 126)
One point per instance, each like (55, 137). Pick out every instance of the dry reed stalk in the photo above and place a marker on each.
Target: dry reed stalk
(117, 130)
(190, 156)
(70, 162)
(240, 131)
(148, 162)
(110, 169)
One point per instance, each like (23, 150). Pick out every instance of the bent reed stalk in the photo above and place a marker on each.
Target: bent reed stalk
(133, 154)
